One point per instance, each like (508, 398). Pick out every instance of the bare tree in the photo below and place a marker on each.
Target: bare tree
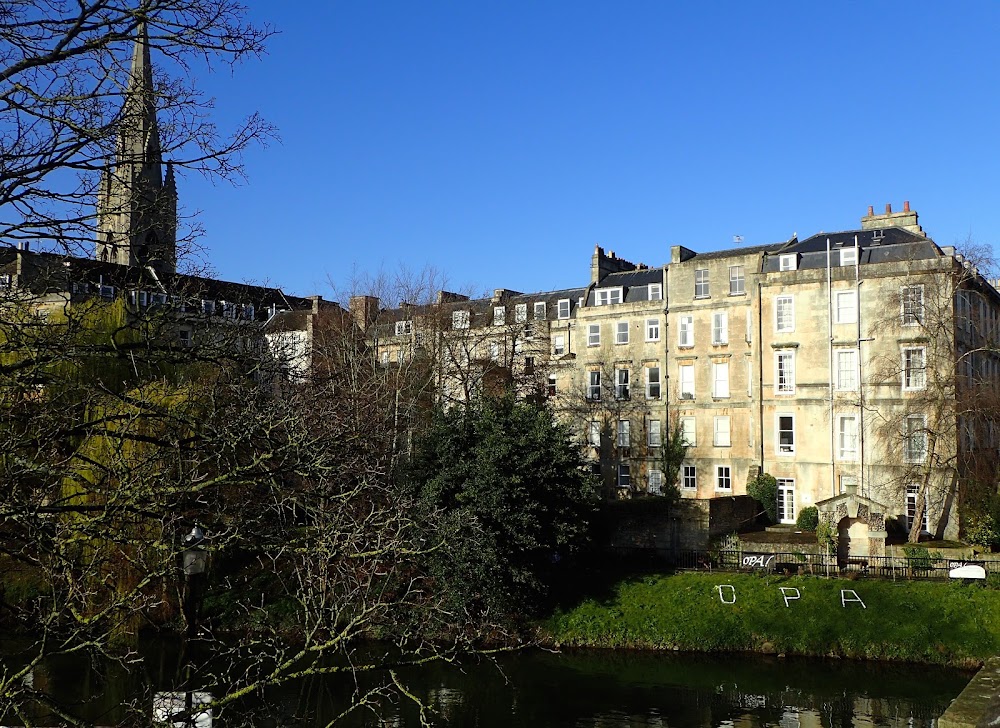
(933, 400)
(64, 87)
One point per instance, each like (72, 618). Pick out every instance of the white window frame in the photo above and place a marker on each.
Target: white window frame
(702, 288)
(737, 281)
(689, 477)
(520, 313)
(915, 431)
(655, 291)
(914, 378)
(500, 315)
(654, 383)
(593, 334)
(655, 484)
(849, 256)
(559, 344)
(594, 385)
(911, 307)
(784, 386)
(653, 329)
(720, 379)
(552, 388)
(784, 324)
(840, 383)
(912, 491)
(608, 296)
(594, 433)
(786, 500)
(847, 438)
(685, 384)
(562, 308)
(723, 479)
(538, 311)
(460, 320)
(624, 475)
(624, 438)
(845, 314)
(722, 435)
(784, 449)
(621, 332)
(623, 390)
(720, 328)
(685, 331)
(654, 435)
(788, 261)
(689, 431)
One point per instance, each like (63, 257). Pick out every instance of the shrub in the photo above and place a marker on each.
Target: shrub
(764, 490)
(808, 518)
(983, 531)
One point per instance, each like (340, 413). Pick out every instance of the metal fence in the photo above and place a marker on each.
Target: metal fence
(918, 566)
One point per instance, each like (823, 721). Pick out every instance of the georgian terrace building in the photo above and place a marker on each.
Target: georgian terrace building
(845, 363)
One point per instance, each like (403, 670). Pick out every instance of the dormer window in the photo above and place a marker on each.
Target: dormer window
(499, 315)
(404, 328)
(788, 261)
(563, 310)
(460, 319)
(609, 296)
(848, 256)
(655, 291)
(540, 311)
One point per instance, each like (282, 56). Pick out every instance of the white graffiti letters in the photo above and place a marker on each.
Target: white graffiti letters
(789, 594)
(855, 598)
(732, 593)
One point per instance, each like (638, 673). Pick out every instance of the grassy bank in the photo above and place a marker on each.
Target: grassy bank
(944, 623)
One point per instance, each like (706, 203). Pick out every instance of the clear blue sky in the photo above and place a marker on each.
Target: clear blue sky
(500, 141)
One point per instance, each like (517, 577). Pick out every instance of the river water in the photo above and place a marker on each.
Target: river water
(591, 689)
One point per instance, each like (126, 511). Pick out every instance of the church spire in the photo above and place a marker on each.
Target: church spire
(136, 211)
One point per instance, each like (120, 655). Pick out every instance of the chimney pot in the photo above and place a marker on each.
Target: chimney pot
(871, 210)
(888, 208)
(906, 206)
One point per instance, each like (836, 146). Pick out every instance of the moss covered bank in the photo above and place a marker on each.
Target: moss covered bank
(918, 621)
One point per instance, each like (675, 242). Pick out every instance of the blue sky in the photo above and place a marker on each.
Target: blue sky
(500, 141)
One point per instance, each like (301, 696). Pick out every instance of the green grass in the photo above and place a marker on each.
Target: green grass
(935, 622)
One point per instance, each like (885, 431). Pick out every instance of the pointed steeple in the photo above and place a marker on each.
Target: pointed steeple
(137, 208)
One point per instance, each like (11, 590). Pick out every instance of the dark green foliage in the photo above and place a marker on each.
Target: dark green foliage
(982, 526)
(764, 490)
(672, 455)
(507, 485)
(808, 518)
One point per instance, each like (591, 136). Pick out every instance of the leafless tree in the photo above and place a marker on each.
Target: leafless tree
(64, 80)
(933, 401)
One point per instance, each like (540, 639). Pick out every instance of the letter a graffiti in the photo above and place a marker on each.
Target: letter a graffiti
(854, 598)
(787, 593)
(732, 593)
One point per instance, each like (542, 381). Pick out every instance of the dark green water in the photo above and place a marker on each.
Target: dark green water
(599, 689)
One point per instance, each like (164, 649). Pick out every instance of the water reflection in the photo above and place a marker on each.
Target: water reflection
(579, 689)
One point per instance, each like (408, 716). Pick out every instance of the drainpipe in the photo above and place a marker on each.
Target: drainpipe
(829, 329)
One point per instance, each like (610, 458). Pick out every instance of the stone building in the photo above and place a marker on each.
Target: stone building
(135, 256)
(846, 364)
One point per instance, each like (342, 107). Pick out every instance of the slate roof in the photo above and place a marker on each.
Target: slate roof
(48, 273)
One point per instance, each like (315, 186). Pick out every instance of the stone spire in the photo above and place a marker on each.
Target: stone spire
(137, 207)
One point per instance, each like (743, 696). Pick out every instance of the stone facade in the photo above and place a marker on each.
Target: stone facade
(834, 363)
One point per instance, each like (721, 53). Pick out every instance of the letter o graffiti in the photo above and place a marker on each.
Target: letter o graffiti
(732, 593)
